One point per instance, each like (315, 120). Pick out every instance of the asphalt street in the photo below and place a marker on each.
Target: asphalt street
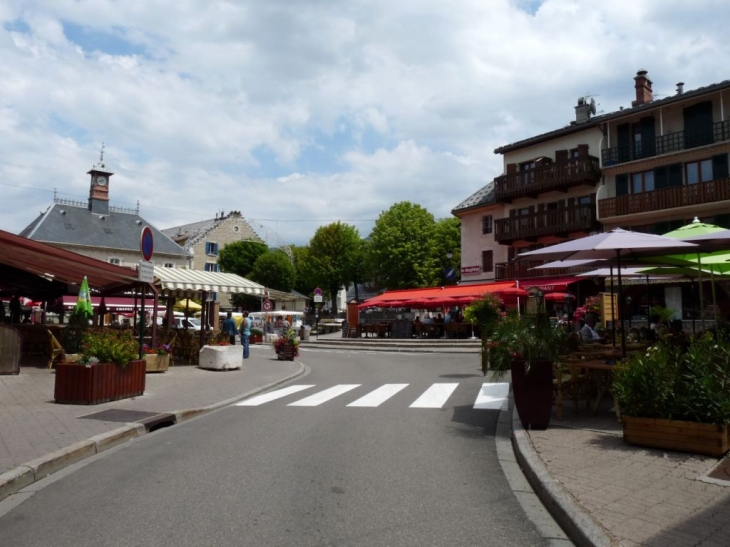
(365, 450)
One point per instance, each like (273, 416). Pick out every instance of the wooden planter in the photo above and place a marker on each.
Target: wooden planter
(157, 363)
(710, 440)
(256, 339)
(533, 393)
(287, 352)
(78, 384)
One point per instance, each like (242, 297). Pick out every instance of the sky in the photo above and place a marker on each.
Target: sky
(302, 113)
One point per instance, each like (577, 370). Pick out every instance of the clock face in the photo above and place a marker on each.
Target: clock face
(101, 181)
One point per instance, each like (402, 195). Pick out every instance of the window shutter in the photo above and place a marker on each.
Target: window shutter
(623, 133)
(674, 175)
(622, 185)
(487, 263)
(661, 179)
(648, 137)
(719, 167)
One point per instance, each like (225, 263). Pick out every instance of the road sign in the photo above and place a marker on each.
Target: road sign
(266, 306)
(317, 298)
(146, 271)
(318, 292)
(146, 244)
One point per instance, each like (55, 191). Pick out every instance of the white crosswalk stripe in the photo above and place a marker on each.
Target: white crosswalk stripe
(490, 396)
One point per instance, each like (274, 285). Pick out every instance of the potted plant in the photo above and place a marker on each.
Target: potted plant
(157, 358)
(73, 335)
(287, 347)
(528, 347)
(256, 337)
(677, 397)
(487, 312)
(107, 371)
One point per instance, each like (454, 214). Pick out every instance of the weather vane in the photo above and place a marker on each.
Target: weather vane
(101, 156)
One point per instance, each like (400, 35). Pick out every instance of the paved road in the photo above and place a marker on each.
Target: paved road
(376, 450)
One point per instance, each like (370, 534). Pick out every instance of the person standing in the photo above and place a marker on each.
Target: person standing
(15, 309)
(229, 327)
(245, 333)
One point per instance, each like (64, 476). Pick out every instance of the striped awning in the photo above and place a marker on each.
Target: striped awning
(175, 281)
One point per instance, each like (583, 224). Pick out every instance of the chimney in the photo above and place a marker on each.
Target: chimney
(643, 89)
(680, 88)
(582, 111)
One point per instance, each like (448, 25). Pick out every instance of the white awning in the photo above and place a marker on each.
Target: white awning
(178, 281)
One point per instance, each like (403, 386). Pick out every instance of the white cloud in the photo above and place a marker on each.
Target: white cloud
(303, 114)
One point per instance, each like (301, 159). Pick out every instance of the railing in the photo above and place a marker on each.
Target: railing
(671, 142)
(514, 270)
(546, 178)
(545, 223)
(666, 198)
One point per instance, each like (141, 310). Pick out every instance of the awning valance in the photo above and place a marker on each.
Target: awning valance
(113, 304)
(175, 281)
(549, 284)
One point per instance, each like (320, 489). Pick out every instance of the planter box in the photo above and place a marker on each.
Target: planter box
(78, 384)
(710, 440)
(256, 339)
(221, 357)
(287, 352)
(533, 393)
(157, 363)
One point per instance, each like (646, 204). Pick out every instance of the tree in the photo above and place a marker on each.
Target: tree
(274, 270)
(305, 277)
(333, 252)
(402, 248)
(447, 241)
(240, 256)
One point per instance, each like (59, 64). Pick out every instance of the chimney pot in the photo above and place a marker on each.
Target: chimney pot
(680, 88)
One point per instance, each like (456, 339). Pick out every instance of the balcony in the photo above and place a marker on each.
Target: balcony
(671, 142)
(516, 270)
(546, 178)
(555, 222)
(666, 198)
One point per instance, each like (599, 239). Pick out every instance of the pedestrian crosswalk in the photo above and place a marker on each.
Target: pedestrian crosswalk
(491, 396)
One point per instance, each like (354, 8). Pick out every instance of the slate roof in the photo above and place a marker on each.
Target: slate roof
(483, 196)
(67, 224)
(192, 233)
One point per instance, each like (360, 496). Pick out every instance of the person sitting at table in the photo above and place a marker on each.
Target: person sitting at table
(438, 319)
(588, 332)
(418, 319)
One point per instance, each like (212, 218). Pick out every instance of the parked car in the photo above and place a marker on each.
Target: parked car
(189, 323)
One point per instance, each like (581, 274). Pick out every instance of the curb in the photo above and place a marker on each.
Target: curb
(332, 347)
(26, 474)
(578, 524)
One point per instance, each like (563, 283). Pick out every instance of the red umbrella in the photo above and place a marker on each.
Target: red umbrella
(513, 291)
(558, 296)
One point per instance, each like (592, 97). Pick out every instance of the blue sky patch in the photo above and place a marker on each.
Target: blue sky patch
(93, 40)
(17, 26)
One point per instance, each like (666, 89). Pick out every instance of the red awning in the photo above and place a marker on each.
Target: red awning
(549, 284)
(441, 295)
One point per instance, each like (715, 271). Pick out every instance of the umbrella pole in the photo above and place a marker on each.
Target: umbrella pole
(620, 296)
(714, 296)
(702, 298)
(141, 322)
(694, 305)
(613, 314)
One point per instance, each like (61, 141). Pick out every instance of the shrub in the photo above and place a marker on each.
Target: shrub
(110, 346)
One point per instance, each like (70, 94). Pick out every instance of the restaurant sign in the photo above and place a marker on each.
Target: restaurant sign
(470, 270)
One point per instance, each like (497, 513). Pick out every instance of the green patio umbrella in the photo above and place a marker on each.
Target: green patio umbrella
(83, 304)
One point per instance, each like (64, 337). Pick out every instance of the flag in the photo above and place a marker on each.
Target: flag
(83, 304)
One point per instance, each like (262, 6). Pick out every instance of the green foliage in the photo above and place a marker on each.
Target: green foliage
(402, 251)
(274, 270)
(447, 239)
(110, 346)
(675, 383)
(334, 251)
(239, 257)
(305, 279)
(486, 311)
(73, 334)
(523, 337)
(258, 332)
(665, 315)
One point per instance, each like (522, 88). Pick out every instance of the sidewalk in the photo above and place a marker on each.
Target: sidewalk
(602, 491)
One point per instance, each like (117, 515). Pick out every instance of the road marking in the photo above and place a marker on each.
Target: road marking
(324, 396)
(492, 396)
(272, 395)
(379, 396)
(435, 396)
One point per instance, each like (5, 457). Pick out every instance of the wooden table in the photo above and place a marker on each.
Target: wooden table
(599, 373)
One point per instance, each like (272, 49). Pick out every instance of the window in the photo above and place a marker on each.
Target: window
(116, 261)
(487, 261)
(699, 171)
(487, 224)
(642, 182)
(211, 267)
(211, 248)
(527, 172)
(168, 265)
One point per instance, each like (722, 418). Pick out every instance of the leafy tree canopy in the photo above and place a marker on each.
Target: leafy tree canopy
(403, 248)
(333, 252)
(275, 271)
(240, 256)
(305, 278)
(448, 240)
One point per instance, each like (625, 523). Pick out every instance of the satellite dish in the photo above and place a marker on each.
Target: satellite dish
(593, 107)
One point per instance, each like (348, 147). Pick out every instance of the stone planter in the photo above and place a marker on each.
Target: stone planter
(78, 384)
(710, 440)
(221, 357)
(157, 363)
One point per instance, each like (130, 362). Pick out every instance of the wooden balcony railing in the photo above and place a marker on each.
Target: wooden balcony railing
(545, 178)
(514, 270)
(545, 223)
(671, 142)
(666, 198)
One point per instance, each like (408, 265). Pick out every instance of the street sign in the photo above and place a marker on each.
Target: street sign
(146, 244)
(317, 298)
(146, 271)
(266, 306)
(317, 292)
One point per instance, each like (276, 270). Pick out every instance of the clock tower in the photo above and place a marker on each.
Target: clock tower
(99, 191)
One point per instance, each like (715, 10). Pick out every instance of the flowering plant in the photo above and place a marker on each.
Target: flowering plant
(288, 338)
(160, 349)
(591, 305)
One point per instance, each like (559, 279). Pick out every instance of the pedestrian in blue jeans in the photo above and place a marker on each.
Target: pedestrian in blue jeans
(245, 333)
